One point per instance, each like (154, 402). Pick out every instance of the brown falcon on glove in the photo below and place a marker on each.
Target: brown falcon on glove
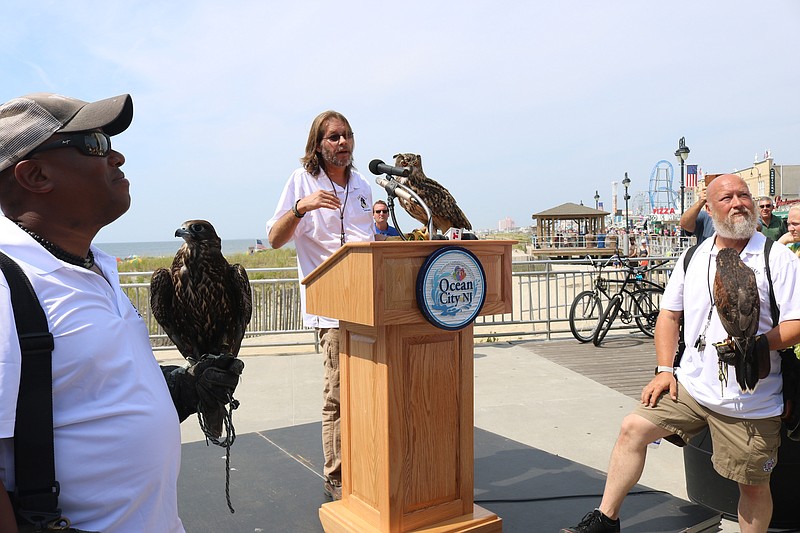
(203, 303)
(738, 306)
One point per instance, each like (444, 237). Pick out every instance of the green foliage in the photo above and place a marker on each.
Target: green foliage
(528, 267)
(522, 238)
(281, 258)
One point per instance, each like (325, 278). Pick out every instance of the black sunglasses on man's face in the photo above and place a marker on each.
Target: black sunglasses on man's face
(95, 143)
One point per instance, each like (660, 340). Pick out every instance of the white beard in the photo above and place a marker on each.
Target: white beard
(739, 228)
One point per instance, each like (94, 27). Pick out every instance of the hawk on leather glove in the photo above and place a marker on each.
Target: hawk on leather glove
(202, 302)
(204, 305)
(444, 210)
(738, 306)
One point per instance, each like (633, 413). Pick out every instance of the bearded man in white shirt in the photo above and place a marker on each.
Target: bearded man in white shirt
(683, 401)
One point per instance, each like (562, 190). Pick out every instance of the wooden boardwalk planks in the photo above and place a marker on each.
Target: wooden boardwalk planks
(624, 363)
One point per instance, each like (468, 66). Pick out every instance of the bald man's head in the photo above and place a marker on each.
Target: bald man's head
(726, 180)
(731, 207)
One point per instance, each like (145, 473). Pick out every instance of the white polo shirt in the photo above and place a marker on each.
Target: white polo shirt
(699, 372)
(116, 432)
(318, 235)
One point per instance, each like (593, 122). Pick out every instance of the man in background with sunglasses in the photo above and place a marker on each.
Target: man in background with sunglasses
(116, 435)
(325, 204)
(380, 213)
(774, 227)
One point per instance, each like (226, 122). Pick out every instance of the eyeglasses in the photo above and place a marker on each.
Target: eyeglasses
(95, 143)
(765, 206)
(382, 211)
(336, 136)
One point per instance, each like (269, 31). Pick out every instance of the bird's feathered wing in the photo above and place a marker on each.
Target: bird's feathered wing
(239, 287)
(738, 307)
(162, 297)
(444, 210)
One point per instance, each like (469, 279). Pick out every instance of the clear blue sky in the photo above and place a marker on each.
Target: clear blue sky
(514, 106)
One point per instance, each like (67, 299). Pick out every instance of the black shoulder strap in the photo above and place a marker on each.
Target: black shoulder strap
(688, 257)
(34, 464)
(772, 302)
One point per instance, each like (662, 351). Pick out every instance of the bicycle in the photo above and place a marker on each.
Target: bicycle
(587, 307)
(640, 305)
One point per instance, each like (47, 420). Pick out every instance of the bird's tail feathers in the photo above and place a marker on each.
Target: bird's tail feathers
(747, 364)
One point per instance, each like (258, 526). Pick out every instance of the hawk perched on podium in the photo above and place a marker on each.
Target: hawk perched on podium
(444, 210)
(738, 307)
(202, 302)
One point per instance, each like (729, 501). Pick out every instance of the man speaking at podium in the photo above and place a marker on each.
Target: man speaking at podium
(325, 204)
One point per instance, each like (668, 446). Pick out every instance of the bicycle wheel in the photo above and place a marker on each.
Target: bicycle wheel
(607, 319)
(648, 303)
(584, 314)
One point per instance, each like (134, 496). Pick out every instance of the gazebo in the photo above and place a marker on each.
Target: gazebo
(555, 224)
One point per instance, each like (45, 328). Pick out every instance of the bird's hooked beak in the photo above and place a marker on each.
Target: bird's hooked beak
(183, 233)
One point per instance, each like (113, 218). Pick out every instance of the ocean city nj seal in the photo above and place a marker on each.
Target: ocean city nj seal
(451, 288)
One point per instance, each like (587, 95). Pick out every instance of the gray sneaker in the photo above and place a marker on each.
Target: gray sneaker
(333, 489)
(595, 522)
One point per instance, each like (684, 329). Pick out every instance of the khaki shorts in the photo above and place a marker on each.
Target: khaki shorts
(744, 450)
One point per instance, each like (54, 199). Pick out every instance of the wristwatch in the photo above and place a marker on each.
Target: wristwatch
(660, 369)
(297, 213)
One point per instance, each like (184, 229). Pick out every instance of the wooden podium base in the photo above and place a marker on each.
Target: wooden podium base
(406, 387)
(336, 518)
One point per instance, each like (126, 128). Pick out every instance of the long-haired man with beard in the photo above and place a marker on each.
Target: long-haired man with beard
(681, 401)
(324, 204)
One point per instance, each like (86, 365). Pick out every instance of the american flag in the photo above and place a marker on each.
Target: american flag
(691, 175)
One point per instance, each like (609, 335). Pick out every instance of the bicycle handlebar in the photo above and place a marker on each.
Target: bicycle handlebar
(598, 265)
(625, 261)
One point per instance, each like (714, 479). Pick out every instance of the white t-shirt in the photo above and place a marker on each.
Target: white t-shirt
(318, 235)
(116, 432)
(699, 372)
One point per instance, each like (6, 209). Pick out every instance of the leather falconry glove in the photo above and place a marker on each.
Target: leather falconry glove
(207, 387)
(749, 356)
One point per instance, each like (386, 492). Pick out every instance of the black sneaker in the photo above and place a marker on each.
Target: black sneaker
(333, 489)
(595, 522)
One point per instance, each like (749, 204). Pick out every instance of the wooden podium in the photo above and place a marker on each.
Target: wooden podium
(406, 390)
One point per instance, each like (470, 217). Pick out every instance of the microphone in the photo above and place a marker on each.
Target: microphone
(393, 188)
(376, 166)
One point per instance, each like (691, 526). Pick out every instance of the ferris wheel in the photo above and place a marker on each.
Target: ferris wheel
(662, 195)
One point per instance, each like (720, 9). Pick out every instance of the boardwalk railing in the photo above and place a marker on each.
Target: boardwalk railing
(276, 318)
(543, 291)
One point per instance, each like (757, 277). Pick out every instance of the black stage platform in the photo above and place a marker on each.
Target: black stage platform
(276, 486)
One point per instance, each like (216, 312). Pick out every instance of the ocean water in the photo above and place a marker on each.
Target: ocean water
(167, 248)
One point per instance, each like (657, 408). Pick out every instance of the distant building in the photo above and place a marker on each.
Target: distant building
(506, 224)
(765, 178)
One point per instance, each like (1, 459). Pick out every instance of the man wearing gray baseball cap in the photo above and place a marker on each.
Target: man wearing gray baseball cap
(116, 436)
(116, 433)
(26, 122)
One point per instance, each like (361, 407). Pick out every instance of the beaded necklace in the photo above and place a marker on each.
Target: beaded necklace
(58, 252)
